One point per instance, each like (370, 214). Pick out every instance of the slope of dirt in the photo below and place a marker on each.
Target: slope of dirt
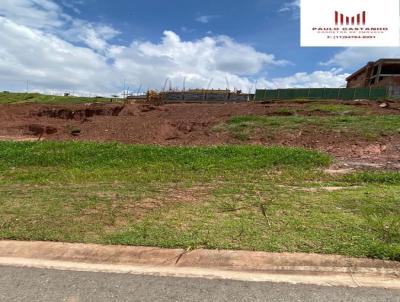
(193, 124)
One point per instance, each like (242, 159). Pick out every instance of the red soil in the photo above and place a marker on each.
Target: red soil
(191, 124)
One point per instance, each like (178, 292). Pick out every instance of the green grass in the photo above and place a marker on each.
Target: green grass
(361, 222)
(339, 109)
(36, 98)
(114, 155)
(333, 109)
(227, 197)
(376, 177)
(368, 126)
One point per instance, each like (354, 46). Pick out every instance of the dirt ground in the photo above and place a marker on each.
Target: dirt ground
(193, 124)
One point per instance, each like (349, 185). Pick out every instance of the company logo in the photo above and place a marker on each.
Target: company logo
(359, 19)
(344, 23)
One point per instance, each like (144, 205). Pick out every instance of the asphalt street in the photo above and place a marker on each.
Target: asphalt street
(27, 284)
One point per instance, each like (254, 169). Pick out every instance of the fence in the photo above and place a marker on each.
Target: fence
(394, 91)
(322, 93)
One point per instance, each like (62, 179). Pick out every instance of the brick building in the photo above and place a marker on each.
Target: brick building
(384, 73)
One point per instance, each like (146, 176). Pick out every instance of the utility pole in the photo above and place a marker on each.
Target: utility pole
(27, 86)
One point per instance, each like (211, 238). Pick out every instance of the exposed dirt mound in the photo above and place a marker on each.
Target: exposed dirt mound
(188, 126)
(196, 124)
(79, 114)
(39, 130)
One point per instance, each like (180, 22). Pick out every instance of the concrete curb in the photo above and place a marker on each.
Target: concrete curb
(327, 270)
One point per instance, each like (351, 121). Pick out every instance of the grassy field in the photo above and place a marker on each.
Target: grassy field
(334, 109)
(36, 98)
(228, 197)
(367, 126)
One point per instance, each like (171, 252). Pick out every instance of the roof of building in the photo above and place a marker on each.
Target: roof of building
(385, 60)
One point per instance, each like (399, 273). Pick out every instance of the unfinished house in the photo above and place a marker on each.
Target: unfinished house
(384, 73)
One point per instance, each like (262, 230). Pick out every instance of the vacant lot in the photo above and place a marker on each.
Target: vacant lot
(231, 197)
(292, 176)
(357, 133)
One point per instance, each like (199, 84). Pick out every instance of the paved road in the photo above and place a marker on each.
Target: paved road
(25, 284)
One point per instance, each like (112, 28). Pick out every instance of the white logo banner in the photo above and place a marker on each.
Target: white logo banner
(333, 23)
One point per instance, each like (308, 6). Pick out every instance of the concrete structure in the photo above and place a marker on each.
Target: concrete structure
(199, 95)
(195, 96)
(383, 73)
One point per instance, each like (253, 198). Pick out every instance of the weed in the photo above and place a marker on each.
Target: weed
(369, 126)
(247, 197)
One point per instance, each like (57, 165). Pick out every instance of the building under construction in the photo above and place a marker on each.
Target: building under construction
(376, 80)
(194, 95)
(384, 73)
(205, 95)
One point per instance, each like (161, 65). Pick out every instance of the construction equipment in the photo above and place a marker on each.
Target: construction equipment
(154, 98)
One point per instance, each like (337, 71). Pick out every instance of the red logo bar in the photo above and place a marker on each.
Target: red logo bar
(340, 19)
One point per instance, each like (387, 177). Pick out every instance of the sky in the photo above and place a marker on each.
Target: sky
(101, 46)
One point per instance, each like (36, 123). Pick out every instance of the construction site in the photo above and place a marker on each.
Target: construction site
(358, 125)
(199, 150)
(374, 81)
(214, 169)
(297, 123)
